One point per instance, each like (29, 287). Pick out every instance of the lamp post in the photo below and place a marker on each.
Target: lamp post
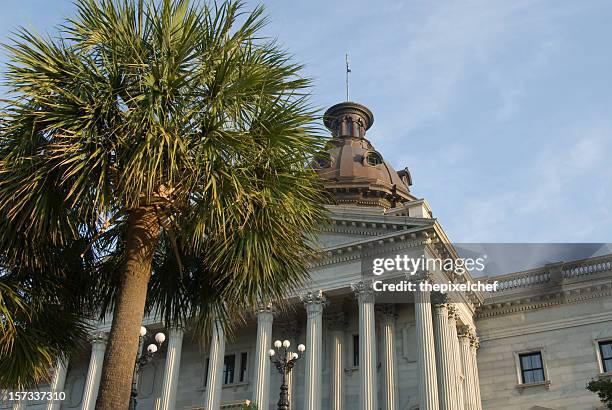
(284, 366)
(143, 359)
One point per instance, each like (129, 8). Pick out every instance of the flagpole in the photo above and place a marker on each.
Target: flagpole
(348, 70)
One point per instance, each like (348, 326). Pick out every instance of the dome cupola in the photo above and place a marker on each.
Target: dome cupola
(351, 168)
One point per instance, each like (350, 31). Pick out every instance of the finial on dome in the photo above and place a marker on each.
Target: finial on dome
(348, 119)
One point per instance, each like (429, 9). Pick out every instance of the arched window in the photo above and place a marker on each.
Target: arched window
(349, 126)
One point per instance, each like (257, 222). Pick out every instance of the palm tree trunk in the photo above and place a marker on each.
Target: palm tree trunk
(140, 242)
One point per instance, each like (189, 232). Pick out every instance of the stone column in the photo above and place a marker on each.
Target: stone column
(94, 372)
(337, 326)
(387, 329)
(444, 355)
(469, 387)
(57, 383)
(474, 345)
(261, 378)
(454, 344)
(428, 387)
(171, 369)
(313, 301)
(367, 345)
(212, 398)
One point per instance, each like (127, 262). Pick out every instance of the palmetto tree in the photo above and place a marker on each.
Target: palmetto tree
(169, 143)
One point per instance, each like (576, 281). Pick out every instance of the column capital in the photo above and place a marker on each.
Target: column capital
(99, 338)
(264, 307)
(363, 291)
(422, 276)
(465, 332)
(475, 342)
(440, 299)
(336, 321)
(315, 297)
(453, 312)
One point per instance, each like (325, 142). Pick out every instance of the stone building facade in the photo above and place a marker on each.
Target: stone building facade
(533, 344)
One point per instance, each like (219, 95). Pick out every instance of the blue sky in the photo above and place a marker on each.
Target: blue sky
(502, 110)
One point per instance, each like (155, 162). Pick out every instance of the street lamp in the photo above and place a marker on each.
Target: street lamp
(284, 366)
(143, 359)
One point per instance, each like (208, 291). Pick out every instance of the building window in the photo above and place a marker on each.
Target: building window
(243, 366)
(229, 368)
(373, 159)
(355, 350)
(229, 364)
(605, 349)
(532, 368)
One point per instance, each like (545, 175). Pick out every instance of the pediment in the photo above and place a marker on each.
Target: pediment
(333, 239)
(343, 230)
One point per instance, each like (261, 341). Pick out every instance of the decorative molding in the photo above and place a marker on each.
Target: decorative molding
(453, 312)
(474, 342)
(363, 291)
(545, 300)
(523, 386)
(598, 318)
(439, 300)
(465, 331)
(313, 298)
(421, 277)
(356, 250)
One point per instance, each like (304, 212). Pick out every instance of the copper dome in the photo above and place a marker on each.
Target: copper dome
(351, 168)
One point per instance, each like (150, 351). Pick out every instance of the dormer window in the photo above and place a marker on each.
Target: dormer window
(373, 159)
(405, 176)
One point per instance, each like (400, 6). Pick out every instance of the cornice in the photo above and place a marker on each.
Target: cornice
(544, 300)
(373, 226)
(546, 326)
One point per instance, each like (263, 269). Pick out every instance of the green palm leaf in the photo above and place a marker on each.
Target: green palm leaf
(169, 141)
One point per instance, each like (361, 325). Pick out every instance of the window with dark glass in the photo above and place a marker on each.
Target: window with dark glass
(532, 369)
(605, 348)
(374, 159)
(243, 366)
(229, 363)
(355, 350)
